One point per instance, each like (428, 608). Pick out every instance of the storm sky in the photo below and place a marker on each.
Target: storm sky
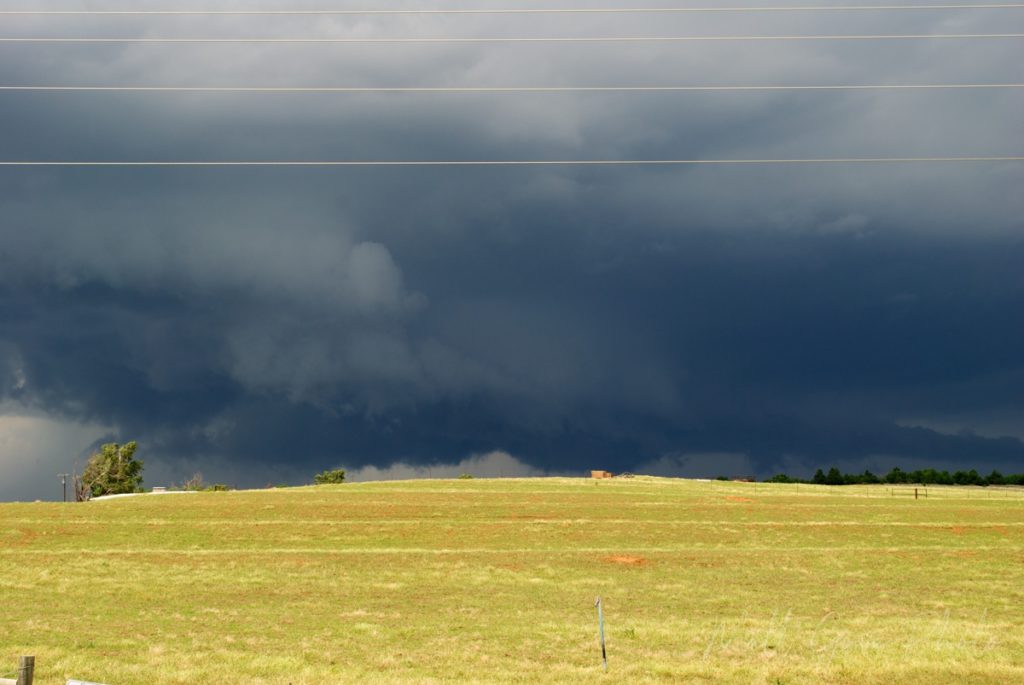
(262, 324)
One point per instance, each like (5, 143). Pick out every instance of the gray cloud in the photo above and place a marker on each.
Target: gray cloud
(270, 322)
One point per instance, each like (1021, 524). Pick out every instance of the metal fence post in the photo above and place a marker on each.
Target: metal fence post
(600, 623)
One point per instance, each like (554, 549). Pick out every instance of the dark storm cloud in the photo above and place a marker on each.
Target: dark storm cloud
(275, 321)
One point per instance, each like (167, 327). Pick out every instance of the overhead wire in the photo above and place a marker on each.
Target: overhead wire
(521, 39)
(524, 10)
(510, 162)
(504, 89)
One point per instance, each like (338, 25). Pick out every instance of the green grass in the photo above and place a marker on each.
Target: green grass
(493, 581)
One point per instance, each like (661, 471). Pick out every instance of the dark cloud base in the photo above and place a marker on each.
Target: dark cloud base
(797, 350)
(275, 319)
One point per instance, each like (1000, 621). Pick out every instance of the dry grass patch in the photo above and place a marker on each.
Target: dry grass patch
(481, 581)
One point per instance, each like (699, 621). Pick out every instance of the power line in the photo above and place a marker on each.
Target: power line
(513, 163)
(527, 39)
(556, 10)
(505, 89)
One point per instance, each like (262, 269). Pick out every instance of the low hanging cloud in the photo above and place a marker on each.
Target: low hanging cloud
(490, 465)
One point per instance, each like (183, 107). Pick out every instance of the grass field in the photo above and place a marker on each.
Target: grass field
(493, 581)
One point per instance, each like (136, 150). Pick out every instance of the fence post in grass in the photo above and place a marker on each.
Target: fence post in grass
(600, 624)
(915, 493)
(26, 670)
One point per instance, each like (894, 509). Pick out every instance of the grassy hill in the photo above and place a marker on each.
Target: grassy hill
(494, 581)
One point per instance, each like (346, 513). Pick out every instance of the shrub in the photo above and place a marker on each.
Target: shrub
(328, 477)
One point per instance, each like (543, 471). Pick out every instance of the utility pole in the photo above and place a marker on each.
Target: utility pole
(64, 482)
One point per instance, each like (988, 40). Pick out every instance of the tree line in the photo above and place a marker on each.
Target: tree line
(897, 476)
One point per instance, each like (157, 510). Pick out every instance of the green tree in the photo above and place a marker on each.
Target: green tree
(113, 470)
(896, 476)
(327, 477)
(869, 477)
(967, 478)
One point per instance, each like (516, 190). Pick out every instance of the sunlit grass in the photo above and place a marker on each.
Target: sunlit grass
(494, 581)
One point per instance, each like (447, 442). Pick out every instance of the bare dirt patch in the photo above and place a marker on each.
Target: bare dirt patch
(25, 537)
(733, 498)
(626, 560)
